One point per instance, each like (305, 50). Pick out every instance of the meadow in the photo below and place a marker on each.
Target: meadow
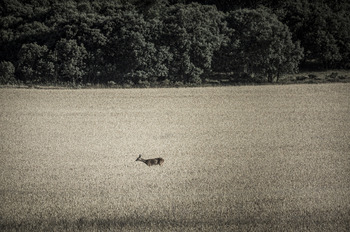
(245, 158)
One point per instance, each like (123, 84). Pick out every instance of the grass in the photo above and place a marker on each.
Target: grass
(316, 77)
(216, 79)
(249, 158)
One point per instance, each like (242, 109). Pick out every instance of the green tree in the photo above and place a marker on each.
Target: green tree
(35, 63)
(322, 28)
(260, 45)
(70, 60)
(88, 31)
(323, 48)
(7, 73)
(132, 54)
(193, 33)
(318, 39)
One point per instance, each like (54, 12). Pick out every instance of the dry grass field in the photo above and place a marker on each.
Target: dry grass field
(249, 158)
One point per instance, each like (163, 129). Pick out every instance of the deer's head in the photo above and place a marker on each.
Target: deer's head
(139, 158)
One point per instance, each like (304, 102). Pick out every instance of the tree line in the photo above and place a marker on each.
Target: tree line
(143, 42)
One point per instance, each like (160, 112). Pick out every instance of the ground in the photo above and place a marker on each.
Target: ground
(262, 158)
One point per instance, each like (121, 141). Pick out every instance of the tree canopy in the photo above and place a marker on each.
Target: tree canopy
(144, 42)
(260, 45)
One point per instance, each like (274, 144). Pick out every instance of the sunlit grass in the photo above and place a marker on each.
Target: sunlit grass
(236, 158)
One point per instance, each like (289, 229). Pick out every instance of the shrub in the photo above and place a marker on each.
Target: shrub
(312, 76)
(166, 82)
(211, 81)
(144, 84)
(333, 75)
(178, 84)
(343, 77)
(301, 78)
(111, 83)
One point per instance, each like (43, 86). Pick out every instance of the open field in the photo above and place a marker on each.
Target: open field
(249, 158)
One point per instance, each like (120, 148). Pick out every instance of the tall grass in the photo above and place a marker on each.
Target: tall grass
(262, 158)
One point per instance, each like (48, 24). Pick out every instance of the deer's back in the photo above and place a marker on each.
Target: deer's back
(155, 161)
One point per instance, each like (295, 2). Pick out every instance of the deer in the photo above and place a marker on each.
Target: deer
(151, 162)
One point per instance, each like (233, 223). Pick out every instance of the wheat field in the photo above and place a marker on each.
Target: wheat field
(248, 158)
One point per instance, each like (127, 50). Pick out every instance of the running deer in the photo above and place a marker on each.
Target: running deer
(151, 162)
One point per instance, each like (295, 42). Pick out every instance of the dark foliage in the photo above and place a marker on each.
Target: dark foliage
(168, 41)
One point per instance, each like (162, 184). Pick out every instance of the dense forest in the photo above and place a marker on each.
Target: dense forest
(142, 42)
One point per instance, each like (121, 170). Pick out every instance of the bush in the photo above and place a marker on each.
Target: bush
(312, 76)
(333, 75)
(301, 78)
(178, 84)
(343, 77)
(166, 82)
(111, 83)
(143, 84)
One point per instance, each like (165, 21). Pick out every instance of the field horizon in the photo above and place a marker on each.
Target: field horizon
(245, 158)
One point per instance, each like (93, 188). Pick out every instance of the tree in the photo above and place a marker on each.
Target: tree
(193, 33)
(35, 63)
(149, 41)
(7, 73)
(131, 52)
(323, 48)
(69, 60)
(260, 45)
(322, 28)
